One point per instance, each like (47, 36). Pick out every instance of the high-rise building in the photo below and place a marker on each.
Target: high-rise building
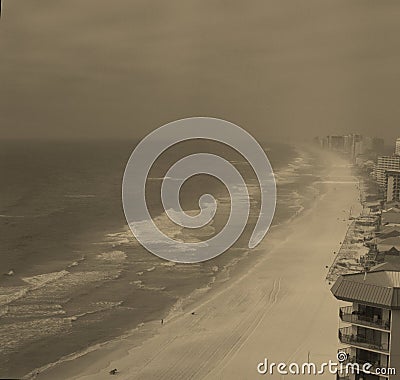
(372, 322)
(336, 143)
(385, 163)
(352, 144)
(348, 143)
(357, 146)
(373, 144)
(378, 145)
(392, 188)
(397, 149)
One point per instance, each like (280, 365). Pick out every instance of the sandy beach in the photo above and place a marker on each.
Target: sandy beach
(279, 307)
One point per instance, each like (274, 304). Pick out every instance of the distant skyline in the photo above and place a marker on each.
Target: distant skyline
(280, 69)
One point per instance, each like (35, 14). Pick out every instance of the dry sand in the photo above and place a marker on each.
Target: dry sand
(281, 308)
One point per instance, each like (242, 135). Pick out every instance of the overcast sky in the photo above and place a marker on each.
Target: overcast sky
(121, 68)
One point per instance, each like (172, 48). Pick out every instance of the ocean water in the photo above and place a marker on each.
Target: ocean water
(78, 276)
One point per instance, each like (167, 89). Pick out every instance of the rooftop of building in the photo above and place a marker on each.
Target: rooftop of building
(391, 210)
(391, 204)
(388, 243)
(390, 216)
(387, 157)
(388, 231)
(379, 287)
(391, 264)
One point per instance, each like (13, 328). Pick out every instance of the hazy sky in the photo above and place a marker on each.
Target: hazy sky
(121, 68)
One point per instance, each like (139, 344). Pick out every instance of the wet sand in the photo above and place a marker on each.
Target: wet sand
(278, 308)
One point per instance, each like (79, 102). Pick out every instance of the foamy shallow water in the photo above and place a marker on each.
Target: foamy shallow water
(111, 284)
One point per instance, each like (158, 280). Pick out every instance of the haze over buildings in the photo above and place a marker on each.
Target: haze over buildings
(366, 151)
(353, 144)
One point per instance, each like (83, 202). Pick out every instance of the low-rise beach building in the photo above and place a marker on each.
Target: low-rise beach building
(390, 245)
(390, 217)
(387, 232)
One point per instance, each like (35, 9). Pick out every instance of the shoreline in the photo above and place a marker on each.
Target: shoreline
(98, 360)
(147, 330)
(224, 267)
(83, 321)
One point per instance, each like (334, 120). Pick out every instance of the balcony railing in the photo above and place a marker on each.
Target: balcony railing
(342, 377)
(375, 364)
(355, 359)
(347, 314)
(346, 337)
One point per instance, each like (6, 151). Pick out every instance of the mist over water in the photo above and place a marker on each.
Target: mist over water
(277, 68)
(80, 277)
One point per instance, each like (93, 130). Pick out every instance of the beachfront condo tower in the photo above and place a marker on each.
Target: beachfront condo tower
(370, 328)
(392, 189)
(397, 149)
(385, 163)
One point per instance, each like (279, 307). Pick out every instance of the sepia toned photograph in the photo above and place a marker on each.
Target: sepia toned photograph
(199, 190)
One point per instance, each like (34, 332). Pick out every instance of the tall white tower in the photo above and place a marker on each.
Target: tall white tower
(397, 150)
